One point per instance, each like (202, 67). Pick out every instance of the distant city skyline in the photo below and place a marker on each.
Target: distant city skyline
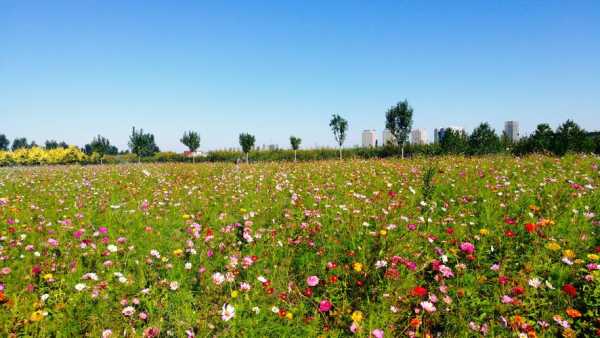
(71, 70)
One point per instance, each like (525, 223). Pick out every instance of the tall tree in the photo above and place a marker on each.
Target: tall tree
(295, 143)
(570, 137)
(542, 139)
(247, 142)
(454, 142)
(191, 139)
(52, 144)
(142, 144)
(484, 140)
(398, 120)
(101, 146)
(20, 142)
(4, 142)
(339, 126)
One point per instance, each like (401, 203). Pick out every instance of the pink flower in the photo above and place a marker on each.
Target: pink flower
(377, 333)
(506, 299)
(103, 230)
(52, 242)
(325, 305)
(467, 248)
(428, 306)
(312, 280)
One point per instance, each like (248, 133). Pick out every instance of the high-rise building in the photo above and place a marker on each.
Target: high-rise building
(369, 138)
(438, 133)
(418, 136)
(388, 137)
(511, 130)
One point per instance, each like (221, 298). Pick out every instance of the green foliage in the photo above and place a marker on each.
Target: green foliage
(142, 144)
(52, 144)
(247, 142)
(295, 142)
(398, 120)
(101, 146)
(20, 143)
(484, 140)
(191, 139)
(454, 142)
(339, 126)
(4, 142)
(570, 137)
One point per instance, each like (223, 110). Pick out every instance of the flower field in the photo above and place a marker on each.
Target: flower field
(451, 246)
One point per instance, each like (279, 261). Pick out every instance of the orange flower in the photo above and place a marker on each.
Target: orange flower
(573, 313)
(415, 322)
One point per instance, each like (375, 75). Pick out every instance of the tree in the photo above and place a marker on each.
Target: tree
(454, 142)
(52, 144)
(339, 126)
(142, 144)
(191, 139)
(19, 143)
(295, 143)
(484, 140)
(542, 139)
(101, 146)
(4, 142)
(570, 137)
(398, 120)
(247, 142)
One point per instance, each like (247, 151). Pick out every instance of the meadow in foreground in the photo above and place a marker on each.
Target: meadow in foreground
(496, 246)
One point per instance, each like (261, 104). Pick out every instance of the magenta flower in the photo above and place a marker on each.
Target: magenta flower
(325, 305)
(377, 333)
(467, 248)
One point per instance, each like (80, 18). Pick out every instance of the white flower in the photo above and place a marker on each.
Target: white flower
(107, 333)
(218, 278)
(155, 253)
(549, 285)
(428, 306)
(228, 312)
(261, 279)
(174, 285)
(275, 309)
(380, 264)
(535, 282)
(112, 248)
(256, 310)
(188, 266)
(44, 297)
(80, 286)
(122, 279)
(128, 311)
(244, 286)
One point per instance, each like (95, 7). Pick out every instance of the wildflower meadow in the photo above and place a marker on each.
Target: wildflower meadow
(450, 246)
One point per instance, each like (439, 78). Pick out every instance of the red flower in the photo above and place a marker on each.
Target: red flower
(418, 291)
(509, 233)
(518, 290)
(449, 230)
(308, 292)
(570, 290)
(333, 279)
(530, 227)
(502, 280)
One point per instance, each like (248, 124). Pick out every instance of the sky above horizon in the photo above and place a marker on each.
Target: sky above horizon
(70, 70)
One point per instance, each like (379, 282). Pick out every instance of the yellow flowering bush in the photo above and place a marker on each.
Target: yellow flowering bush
(37, 155)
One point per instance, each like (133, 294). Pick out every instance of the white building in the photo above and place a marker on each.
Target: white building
(388, 137)
(369, 138)
(511, 130)
(418, 136)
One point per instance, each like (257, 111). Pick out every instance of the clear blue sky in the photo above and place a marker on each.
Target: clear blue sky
(71, 70)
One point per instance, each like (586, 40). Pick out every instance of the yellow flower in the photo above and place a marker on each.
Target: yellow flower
(578, 261)
(186, 216)
(234, 294)
(553, 246)
(593, 257)
(36, 316)
(357, 267)
(177, 252)
(357, 316)
(569, 253)
(289, 315)
(453, 250)
(47, 276)
(382, 232)
(484, 231)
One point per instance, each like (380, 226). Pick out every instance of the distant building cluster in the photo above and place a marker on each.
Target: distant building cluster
(511, 130)
(438, 133)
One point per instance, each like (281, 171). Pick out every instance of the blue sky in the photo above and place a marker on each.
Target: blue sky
(71, 70)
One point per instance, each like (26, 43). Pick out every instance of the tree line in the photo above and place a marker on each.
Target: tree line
(568, 137)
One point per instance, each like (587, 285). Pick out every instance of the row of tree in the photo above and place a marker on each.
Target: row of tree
(398, 121)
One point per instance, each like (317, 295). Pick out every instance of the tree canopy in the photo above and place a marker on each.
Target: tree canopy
(142, 144)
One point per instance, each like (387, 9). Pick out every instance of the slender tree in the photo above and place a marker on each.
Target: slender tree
(570, 137)
(295, 143)
(247, 142)
(398, 120)
(4, 142)
(339, 126)
(191, 139)
(142, 144)
(101, 146)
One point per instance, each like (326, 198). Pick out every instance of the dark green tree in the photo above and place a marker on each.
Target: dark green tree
(454, 142)
(101, 146)
(398, 120)
(20, 142)
(339, 126)
(295, 143)
(484, 140)
(142, 144)
(247, 142)
(4, 142)
(570, 137)
(542, 139)
(191, 139)
(52, 144)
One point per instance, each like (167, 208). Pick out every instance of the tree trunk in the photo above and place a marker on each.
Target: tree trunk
(247, 158)
(295, 159)
(340, 152)
(100, 160)
(193, 158)
(402, 150)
